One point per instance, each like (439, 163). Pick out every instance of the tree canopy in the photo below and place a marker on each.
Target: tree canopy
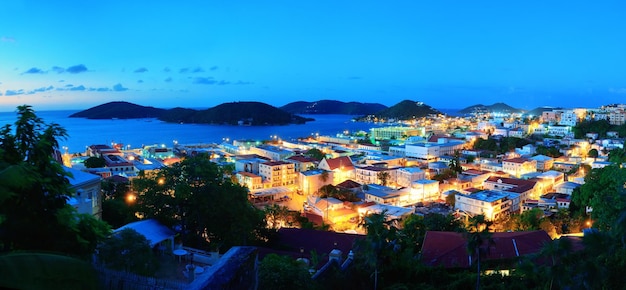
(34, 189)
(195, 197)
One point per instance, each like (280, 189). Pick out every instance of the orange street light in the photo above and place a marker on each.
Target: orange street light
(130, 198)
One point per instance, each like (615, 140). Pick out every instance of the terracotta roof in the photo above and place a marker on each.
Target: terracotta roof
(449, 249)
(249, 174)
(291, 240)
(301, 158)
(275, 163)
(517, 160)
(335, 163)
(349, 184)
(517, 183)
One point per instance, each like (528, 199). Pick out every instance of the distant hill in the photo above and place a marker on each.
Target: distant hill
(237, 113)
(333, 107)
(242, 113)
(497, 107)
(539, 110)
(119, 110)
(407, 109)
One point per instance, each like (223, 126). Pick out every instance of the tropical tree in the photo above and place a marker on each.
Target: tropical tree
(94, 162)
(283, 272)
(191, 196)
(479, 241)
(604, 192)
(455, 163)
(383, 177)
(34, 189)
(315, 154)
(129, 251)
(593, 153)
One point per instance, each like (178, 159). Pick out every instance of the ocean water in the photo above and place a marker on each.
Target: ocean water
(139, 132)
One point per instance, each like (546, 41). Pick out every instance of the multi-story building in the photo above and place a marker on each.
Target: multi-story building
(544, 163)
(430, 151)
(271, 152)
(86, 187)
(371, 174)
(491, 204)
(519, 166)
(396, 132)
(342, 168)
(424, 190)
(569, 118)
(278, 173)
(310, 181)
(525, 188)
(406, 175)
(250, 180)
(617, 116)
(302, 163)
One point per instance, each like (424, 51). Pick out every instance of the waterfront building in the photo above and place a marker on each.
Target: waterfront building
(397, 132)
(272, 152)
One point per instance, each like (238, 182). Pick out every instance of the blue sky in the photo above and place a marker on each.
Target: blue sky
(448, 54)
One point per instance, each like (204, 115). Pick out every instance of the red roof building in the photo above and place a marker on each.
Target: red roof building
(449, 249)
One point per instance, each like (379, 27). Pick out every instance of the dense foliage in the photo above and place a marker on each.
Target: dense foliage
(601, 127)
(194, 197)
(34, 189)
(333, 107)
(248, 113)
(407, 110)
(129, 251)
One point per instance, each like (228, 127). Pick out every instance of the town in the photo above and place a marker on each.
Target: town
(492, 165)
(512, 175)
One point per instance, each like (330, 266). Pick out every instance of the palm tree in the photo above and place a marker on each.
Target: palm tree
(383, 177)
(479, 241)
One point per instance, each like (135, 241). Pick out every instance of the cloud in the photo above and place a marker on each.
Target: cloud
(204, 81)
(139, 81)
(69, 85)
(214, 67)
(0, 93)
(40, 90)
(353, 78)
(13, 92)
(183, 70)
(212, 81)
(168, 80)
(119, 88)
(167, 69)
(76, 69)
(7, 39)
(103, 89)
(34, 70)
(78, 88)
(197, 70)
(58, 69)
(141, 70)
(61, 81)
(617, 90)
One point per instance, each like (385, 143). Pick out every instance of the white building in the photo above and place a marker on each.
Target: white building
(430, 151)
(86, 187)
(424, 190)
(519, 166)
(407, 175)
(491, 204)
